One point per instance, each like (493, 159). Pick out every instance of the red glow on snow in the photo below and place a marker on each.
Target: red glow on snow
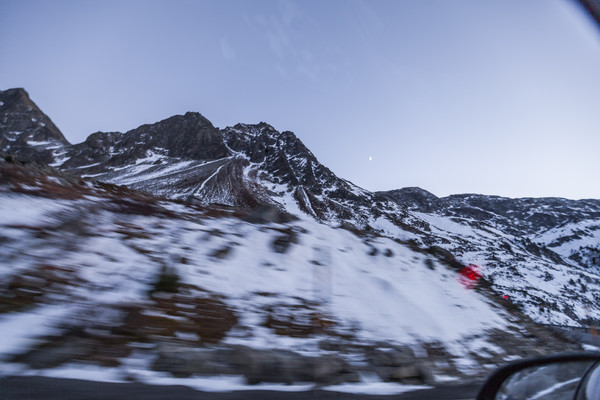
(505, 297)
(469, 276)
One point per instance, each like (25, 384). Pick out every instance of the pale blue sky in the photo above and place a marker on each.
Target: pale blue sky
(494, 97)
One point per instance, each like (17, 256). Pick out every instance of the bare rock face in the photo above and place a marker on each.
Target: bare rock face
(25, 131)
(411, 197)
(189, 136)
(96, 149)
(186, 137)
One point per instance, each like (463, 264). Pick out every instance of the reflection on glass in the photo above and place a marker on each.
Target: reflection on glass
(556, 381)
(590, 390)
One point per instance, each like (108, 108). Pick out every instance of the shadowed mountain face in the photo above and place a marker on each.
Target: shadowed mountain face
(189, 136)
(521, 242)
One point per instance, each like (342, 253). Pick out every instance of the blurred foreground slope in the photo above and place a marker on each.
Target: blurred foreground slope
(100, 278)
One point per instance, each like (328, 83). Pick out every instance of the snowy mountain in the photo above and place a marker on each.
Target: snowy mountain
(542, 253)
(186, 157)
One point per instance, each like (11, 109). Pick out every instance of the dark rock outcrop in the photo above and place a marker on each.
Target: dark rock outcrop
(25, 131)
(257, 366)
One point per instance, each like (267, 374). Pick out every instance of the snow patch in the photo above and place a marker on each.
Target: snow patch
(373, 385)
(40, 143)
(22, 330)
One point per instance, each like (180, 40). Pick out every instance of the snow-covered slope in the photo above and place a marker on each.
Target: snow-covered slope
(95, 274)
(578, 241)
(542, 253)
(548, 286)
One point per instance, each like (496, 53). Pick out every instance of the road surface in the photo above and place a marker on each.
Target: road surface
(42, 388)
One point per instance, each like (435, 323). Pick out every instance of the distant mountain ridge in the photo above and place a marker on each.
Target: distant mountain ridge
(523, 215)
(521, 242)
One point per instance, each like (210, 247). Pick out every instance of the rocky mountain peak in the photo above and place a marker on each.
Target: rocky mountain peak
(261, 141)
(189, 136)
(25, 131)
(260, 129)
(15, 96)
(17, 99)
